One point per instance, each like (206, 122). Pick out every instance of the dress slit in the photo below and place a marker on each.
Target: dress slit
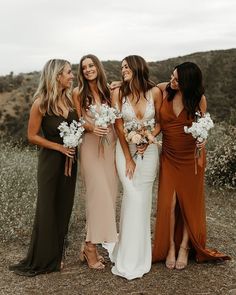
(177, 174)
(180, 221)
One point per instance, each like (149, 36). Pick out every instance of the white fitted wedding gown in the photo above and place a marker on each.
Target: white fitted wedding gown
(132, 252)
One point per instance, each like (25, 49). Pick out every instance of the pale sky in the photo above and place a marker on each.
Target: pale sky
(33, 31)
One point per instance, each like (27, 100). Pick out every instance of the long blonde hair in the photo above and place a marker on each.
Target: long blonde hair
(49, 91)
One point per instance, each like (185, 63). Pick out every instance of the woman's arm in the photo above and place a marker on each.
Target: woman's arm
(157, 98)
(162, 86)
(76, 100)
(34, 126)
(87, 126)
(203, 108)
(203, 104)
(114, 85)
(119, 127)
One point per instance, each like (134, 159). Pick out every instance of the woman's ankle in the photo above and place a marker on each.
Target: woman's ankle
(89, 246)
(184, 246)
(172, 245)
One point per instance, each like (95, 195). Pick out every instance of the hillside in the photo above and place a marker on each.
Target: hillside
(218, 69)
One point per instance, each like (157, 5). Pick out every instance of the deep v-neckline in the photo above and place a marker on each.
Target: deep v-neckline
(172, 107)
(134, 110)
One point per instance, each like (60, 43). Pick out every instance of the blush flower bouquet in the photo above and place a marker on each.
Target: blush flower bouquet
(71, 135)
(139, 133)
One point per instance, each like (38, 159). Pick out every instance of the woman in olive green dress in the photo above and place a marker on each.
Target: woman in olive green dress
(52, 106)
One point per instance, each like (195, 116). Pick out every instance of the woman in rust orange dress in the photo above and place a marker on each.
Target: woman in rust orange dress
(181, 219)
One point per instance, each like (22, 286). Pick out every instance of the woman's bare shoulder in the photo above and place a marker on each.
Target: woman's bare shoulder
(156, 92)
(75, 91)
(37, 102)
(162, 86)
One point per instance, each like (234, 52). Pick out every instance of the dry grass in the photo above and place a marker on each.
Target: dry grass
(18, 193)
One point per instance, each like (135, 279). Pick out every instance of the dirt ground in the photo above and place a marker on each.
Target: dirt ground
(77, 278)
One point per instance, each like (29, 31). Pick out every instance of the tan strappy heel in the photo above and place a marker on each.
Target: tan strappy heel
(100, 257)
(84, 258)
(180, 265)
(170, 263)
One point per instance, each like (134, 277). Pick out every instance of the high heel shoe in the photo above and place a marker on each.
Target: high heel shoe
(170, 262)
(84, 257)
(100, 257)
(180, 263)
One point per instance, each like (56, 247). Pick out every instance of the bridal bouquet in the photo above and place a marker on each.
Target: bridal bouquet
(139, 132)
(71, 135)
(103, 118)
(200, 129)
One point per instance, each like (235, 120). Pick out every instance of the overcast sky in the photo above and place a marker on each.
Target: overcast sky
(33, 31)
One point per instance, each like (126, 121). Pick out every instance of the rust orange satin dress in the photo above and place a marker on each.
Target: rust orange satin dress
(177, 174)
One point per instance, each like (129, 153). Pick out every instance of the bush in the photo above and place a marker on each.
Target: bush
(221, 157)
(18, 189)
(10, 82)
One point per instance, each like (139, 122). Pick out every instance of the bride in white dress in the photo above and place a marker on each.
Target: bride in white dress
(138, 99)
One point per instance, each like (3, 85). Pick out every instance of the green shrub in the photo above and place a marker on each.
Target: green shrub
(221, 157)
(17, 189)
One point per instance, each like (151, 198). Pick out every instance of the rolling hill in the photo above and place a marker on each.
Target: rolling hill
(219, 75)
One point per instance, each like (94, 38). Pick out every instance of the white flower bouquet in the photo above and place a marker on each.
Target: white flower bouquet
(104, 117)
(139, 132)
(71, 135)
(200, 130)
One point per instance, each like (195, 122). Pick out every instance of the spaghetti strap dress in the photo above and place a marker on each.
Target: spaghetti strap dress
(54, 205)
(101, 184)
(182, 173)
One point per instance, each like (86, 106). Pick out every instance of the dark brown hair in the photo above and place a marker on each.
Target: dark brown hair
(190, 85)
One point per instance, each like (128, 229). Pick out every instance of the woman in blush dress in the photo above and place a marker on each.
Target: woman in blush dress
(97, 161)
(52, 105)
(138, 99)
(181, 218)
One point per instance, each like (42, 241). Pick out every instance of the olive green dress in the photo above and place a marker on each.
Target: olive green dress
(54, 205)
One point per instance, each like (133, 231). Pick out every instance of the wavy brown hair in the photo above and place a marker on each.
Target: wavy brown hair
(49, 91)
(140, 82)
(190, 85)
(85, 94)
